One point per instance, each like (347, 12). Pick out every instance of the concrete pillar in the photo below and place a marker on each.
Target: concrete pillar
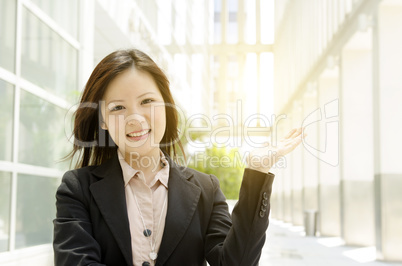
(286, 172)
(328, 154)
(357, 139)
(282, 192)
(388, 129)
(294, 166)
(310, 156)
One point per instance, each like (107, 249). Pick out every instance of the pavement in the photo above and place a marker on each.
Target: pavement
(288, 245)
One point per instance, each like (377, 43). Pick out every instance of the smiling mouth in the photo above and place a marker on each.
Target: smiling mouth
(139, 134)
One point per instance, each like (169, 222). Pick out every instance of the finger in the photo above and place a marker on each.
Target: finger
(295, 141)
(296, 133)
(292, 145)
(299, 139)
(290, 133)
(266, 144)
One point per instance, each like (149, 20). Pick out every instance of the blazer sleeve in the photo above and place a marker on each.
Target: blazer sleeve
(240, 243)
(73, 242)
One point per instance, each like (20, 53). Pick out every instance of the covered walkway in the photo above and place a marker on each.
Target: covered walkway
(287, 245)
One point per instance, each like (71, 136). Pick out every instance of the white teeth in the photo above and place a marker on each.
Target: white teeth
(138, 134)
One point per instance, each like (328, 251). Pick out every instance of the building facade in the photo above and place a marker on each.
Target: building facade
(242, 60)
(337, 73)
(40, 65)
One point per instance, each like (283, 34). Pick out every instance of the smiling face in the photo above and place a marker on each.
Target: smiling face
(134, 113)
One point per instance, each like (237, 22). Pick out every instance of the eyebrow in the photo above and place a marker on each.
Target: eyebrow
(142, 95)
(112, 101)
(150, 92)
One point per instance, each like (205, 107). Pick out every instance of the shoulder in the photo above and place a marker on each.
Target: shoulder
(76, 181)
(207, 182)
(78, 175)
(81, 171)
(197, 174)
(90, 174)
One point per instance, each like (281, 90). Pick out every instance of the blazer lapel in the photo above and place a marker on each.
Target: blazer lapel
(183, 200)
(110, 198)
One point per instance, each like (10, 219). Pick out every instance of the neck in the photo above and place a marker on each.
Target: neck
(149, 164)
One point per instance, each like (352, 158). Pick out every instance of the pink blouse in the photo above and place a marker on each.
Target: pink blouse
(146, 204)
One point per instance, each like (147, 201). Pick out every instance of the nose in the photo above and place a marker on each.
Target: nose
(136, 119)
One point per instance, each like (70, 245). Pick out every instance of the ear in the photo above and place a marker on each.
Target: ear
(103, 125)
(101, 115)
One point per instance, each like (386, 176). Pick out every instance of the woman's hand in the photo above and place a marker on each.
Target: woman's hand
(263, 158)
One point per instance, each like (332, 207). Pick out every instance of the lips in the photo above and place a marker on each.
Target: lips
(138, 134)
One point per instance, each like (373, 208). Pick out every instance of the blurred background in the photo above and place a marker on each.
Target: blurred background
(332, 66)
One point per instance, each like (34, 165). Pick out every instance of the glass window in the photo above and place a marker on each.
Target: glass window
(148, 8)
(180, 66)
(6, 120)
(197, 67)
(267, 84)
(48, 60)
(233, 74)
(215, 67)
(180, 22)
(164, 22)
(250, 25)
(35, 210)
(5, 203)
(232, 31)
(42, 137)
(250, 85)
(7, 34)
(267, 21)
(64, 13)
(198, 22)
(217, 21)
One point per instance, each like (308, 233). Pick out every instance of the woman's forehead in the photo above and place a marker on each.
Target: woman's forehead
(132, 83)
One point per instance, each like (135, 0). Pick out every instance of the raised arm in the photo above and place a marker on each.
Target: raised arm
(241, 242)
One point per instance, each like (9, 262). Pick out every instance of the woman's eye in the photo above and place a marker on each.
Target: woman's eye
(146, 101)
(117, 108)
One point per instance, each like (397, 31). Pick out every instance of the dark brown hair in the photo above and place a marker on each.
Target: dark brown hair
(93, 144)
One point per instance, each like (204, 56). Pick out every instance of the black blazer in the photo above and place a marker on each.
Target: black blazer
(92, 227)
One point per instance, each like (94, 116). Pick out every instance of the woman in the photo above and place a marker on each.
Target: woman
(128, 203)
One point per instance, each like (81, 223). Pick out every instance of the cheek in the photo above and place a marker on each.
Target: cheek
(158, 114)
(160, 119)
(115, 126)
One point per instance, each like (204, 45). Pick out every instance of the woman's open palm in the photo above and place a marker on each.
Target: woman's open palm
(263, 158)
